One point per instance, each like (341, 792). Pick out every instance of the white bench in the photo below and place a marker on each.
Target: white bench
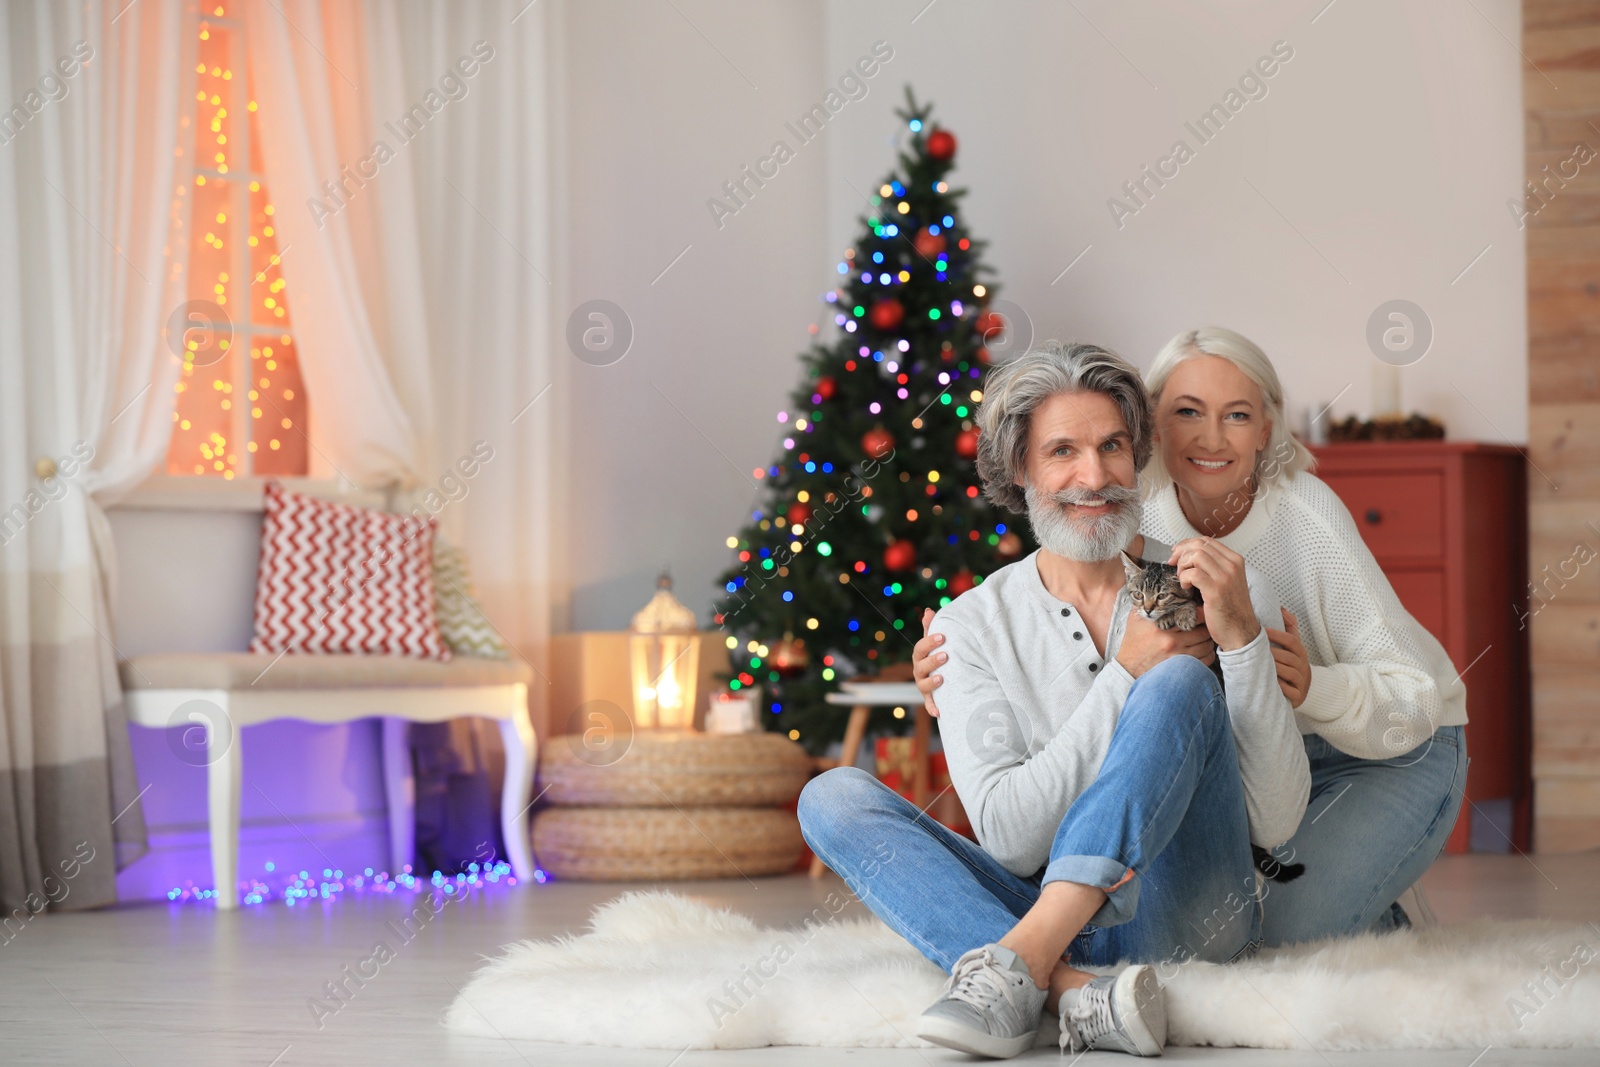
(221, 692)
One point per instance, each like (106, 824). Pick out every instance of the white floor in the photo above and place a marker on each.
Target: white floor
(185, 984)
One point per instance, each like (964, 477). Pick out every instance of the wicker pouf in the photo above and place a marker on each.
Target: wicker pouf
(673, 806)
(686, 769)
(646, 844)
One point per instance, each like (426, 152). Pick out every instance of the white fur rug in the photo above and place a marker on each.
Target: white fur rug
(658, 970)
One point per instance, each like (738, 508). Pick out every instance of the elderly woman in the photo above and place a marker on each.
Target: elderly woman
(1379, 704)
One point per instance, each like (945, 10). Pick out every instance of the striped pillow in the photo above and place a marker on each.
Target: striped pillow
(462, 622)
(342, 579)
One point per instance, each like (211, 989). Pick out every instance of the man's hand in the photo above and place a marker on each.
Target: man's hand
(1144, 644)
(1218, 572)
(1294, 666)
(925, 661)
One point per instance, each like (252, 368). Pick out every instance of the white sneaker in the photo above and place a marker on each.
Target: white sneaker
(1123, 1012)
(990, 1006)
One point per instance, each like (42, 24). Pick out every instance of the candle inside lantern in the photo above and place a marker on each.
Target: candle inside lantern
(664, 650)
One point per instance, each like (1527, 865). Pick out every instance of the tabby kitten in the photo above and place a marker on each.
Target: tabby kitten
(1159, 596)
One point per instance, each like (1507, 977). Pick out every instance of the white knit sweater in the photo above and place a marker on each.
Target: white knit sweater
(1380, 683)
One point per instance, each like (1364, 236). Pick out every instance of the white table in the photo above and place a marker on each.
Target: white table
(222, 692)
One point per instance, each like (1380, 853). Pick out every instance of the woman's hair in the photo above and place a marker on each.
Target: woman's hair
(1284, 457)
(1016, 388)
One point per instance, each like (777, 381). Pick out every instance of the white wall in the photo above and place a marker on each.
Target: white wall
(663, 442)
(1389, 143)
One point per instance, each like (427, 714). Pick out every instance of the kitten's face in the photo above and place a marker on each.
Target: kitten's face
(1159, 596)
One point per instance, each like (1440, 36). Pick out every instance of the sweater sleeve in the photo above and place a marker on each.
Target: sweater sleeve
(1272, 757)
(1384, 688)
(1016, 787)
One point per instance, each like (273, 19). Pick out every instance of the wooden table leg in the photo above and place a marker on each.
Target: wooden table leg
(854, 730)
(921, 771)
(224, 772)
(522, 751)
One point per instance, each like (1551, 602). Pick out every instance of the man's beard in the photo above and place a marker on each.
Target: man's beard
(1092, 538)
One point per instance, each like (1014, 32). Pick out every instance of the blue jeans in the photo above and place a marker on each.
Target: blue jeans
(1167, 804)
(1371, 829)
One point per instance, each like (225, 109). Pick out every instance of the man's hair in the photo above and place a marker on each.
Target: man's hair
(1014, 390)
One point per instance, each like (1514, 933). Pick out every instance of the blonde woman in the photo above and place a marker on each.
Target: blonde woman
(1376, 697)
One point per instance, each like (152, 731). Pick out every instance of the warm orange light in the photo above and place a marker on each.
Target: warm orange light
(241, 242)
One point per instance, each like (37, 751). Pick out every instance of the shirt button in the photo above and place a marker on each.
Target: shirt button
(1077, 635)
(1094, 666)
(1065, 612)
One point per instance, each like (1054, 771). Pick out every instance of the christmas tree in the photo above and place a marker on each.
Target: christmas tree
(873, 511)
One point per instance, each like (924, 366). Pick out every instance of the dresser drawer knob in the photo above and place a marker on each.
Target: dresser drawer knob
(1374, 516)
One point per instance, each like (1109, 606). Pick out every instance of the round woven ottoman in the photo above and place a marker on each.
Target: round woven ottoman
(676, 805)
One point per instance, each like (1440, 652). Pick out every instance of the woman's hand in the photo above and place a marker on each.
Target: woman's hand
(1294, 666)
(925, 661)
(1218, 572)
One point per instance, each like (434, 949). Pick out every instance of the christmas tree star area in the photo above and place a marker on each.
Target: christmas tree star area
(874, 511)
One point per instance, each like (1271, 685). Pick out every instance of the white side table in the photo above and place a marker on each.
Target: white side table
(861, 698)
(214, 695)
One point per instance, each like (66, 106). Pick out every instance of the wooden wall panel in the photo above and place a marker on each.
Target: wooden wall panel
(1563, 370)
(1566, 713)
(1551, 14)
(1564, 448)
(1562, 39)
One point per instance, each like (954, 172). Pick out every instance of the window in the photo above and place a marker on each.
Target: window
(241, 406)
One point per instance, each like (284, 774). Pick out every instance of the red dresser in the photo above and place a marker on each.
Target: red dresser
(1448, 523)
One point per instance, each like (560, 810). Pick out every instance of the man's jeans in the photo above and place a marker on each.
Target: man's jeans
(1167, 804)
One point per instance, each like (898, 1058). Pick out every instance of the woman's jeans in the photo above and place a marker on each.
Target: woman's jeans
(1371, 829)
(1167, 805)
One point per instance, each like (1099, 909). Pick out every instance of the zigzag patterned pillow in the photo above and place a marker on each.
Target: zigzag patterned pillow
(462, 622)
(336, 578)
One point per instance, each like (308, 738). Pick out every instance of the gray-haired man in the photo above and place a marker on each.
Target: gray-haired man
(1096, 754)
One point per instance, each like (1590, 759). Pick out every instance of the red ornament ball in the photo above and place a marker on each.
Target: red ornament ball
(967, 444)
(799, 514)
(984, 357)
(877, 442)
(789, 656)
(961, 583)
(900, 556)
(1010, 545)
(887, 314)
(826, 387)
(942, 145)
(989, 326)
(928, 244)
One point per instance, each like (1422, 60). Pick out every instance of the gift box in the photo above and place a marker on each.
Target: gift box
(895, 763)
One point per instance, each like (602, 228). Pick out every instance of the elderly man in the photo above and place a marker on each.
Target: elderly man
(1114, 789)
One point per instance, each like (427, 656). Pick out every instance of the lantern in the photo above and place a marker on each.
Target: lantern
(664, 647)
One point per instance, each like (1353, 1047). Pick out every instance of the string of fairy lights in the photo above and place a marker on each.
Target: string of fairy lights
(216, 432)
(305, 887)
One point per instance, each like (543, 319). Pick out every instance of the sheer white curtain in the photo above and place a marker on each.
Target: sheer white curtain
(481, 169)
(361, 340)
(408, 158)
(92, 204)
